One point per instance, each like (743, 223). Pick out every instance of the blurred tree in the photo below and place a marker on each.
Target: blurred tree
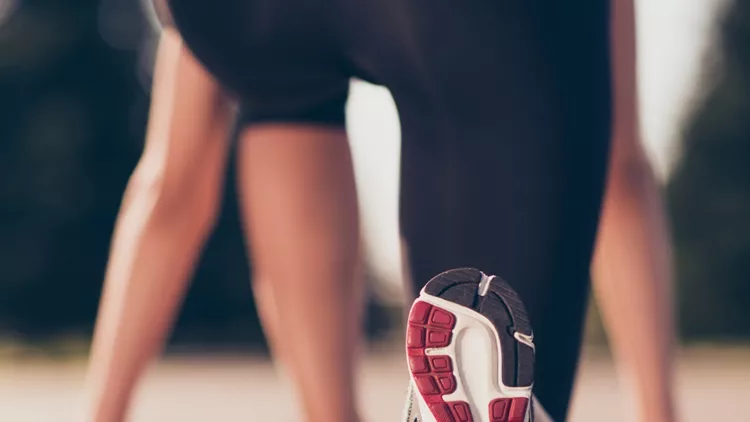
(70, 135)
(709, 194)
(72, 120)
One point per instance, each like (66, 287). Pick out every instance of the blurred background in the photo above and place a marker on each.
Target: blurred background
(74, 97)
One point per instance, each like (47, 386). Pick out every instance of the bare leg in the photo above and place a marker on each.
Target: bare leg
(300, 208)
(167, 212)
(632, 263)
(265, 302)
(632, 280)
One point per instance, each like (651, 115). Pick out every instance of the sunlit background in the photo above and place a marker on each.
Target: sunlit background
(74, 81)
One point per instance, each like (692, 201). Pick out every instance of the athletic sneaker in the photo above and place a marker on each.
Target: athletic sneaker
(470, 350)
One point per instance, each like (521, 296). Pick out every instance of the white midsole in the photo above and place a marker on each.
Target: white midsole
(476, 355)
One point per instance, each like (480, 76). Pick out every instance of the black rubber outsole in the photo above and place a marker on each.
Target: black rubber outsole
(503, 307)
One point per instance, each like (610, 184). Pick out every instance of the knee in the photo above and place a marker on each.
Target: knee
(630, 175)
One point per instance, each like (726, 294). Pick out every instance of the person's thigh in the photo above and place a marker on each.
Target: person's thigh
(505, 114)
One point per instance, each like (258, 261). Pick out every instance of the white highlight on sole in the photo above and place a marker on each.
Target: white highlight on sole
(477, 361)
(525, 339)
(484, 284)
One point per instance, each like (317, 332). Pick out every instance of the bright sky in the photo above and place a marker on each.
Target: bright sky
(673, 38)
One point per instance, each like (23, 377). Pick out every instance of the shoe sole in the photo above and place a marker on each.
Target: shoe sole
(470, 349)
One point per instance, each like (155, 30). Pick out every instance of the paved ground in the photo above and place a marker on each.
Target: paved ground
(714, 386)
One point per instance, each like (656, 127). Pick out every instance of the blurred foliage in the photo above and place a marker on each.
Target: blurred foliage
(72, 119)
(71, 123)
(709, 195)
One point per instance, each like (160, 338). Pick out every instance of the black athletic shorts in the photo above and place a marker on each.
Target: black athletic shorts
(505, 117)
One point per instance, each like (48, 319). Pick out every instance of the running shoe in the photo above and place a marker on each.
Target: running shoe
(470, 351)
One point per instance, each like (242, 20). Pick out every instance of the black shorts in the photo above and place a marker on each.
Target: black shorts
(505, 117)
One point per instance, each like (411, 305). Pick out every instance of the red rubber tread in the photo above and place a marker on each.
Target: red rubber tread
(508, 410)
(441, 364)
(432, 327)
(518, 409)
(462, 411)
(420, 312)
